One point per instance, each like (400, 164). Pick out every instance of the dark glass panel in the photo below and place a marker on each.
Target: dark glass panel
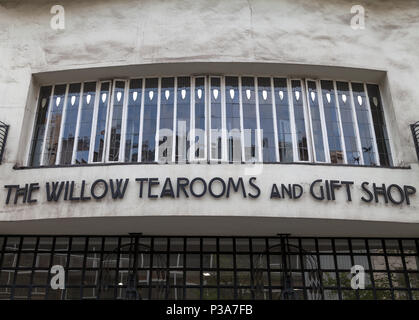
(216, 119)
(332, 122)
(133, 120)
(150, 120)
(364, 124)
(70, 123)
(249, 119)
(116, 123)
(299, 116)
(101, 122)
(380, 128)
(54, 127)
(316, 124)
(283, 120)
(199, 152)
(183, 119)
(234, 145)
(86, 118)
(266, 119)
(348, 123)
(167, 100)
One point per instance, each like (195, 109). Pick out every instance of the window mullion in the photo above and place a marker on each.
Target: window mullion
(224, 133)
(108, 126)
(275, 124)
(174, 120)
(323, 122)
(342, 137)
(292, 121)
(242, 144)
(51, 101)
(62, 124)
(192, 135)
(94, 122)
(307, 121)
(122, 146)
(140, 133)
(258, 133)
(77, 131)
(377, 156)
(157, 135)
(358, 137)
(206, 115)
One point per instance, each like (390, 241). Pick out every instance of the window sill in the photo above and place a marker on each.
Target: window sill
(16, 167)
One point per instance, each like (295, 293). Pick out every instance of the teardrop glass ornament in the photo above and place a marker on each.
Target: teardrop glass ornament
(104, 96)
(151, 94)
(281, 95)
(313, 96)
(167, 94)
(344, 98)
(73, 100)
(119, 96)
(135, 95)
(183, 93)
(328, 97)
(360, 100)
(248, 94)
(375, 100)
(232, 93)
(199, 93)
(57, 101)
(215, 93)
(43, 102)
(264, 94)
(297, 95)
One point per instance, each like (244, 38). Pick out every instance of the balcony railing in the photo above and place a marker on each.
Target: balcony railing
(4, 129)
(415, 132)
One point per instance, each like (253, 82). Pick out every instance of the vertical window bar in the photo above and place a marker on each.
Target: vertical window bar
(374, 292)
(51, 263)
(156, 143)
(335, 141)
(242, 137)
(35, 253)
(101, 120)
(199, 116)
(121, 157)
(77, 126)
(62, 124)
(258, 135)
(133, 120)
(69, 124)
(216, 135)
(379, 122)
(83, 272)
(406, 277)
(313, 107)
(390, 281)
(275, 122)
(336, 269)
(140, 136)
(39, 133)
(292, 121)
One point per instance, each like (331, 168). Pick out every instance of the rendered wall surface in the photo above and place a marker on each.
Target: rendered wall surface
(121, 33)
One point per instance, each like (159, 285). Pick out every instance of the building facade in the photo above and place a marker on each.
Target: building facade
(209, 149)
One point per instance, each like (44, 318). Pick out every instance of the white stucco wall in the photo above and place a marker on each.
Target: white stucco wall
(107, 36)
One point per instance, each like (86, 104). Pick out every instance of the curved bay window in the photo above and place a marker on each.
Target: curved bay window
(223, 119)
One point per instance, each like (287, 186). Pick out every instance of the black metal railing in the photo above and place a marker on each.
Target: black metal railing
(4, 129)
(415, 132)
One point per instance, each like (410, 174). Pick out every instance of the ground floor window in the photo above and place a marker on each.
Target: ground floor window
(159, 267)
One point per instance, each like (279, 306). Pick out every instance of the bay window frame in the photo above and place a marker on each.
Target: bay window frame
(207, 139)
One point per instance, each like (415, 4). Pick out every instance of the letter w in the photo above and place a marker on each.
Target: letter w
(55, 193)
(116, 190)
